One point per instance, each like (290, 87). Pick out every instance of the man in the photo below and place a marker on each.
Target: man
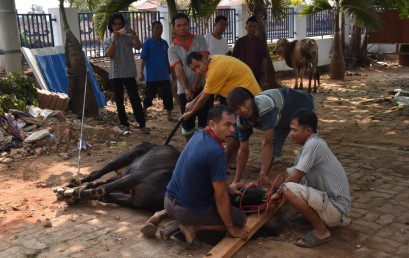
(253, 51)
(154, 58)
(122, 70)
(216, 43)
(189, 85)
(223, 74)
(269, 111)
(197, 195)
(317, 185)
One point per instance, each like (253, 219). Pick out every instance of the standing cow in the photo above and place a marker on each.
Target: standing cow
(300, 55)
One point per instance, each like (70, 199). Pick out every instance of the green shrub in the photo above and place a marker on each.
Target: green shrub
(16, 92)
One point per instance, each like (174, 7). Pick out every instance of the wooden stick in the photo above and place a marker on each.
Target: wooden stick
(229, 245)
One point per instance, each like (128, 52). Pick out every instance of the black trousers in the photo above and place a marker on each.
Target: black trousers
(119, 85)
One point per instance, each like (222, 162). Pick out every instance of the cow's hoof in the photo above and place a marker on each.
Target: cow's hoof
(149, 229)
(72, 200)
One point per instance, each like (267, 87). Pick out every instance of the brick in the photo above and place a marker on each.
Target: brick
(386, 232)
(361, 229)
(403, 250)
(371, 216)
(367, 224)
(381, 195)
(398, 188)
(359, 211)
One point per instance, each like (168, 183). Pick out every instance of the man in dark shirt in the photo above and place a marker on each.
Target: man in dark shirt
(253, 51)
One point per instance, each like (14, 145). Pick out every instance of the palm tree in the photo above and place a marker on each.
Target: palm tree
(363, 14)
(77, 73)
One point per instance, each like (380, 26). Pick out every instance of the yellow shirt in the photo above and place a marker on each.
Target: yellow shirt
(226, 73)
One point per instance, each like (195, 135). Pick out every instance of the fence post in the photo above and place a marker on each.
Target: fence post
(166, 22)
(242, 16)
(72, 17)
(9, 40)
(300, 24)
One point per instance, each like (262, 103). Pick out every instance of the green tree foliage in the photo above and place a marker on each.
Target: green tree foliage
(401, 5)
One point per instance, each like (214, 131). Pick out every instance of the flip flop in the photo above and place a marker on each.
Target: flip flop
(180, 239)
(149, 229)
(312, 241)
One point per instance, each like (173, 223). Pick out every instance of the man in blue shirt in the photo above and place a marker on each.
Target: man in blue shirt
(154, 58)
(197, 196)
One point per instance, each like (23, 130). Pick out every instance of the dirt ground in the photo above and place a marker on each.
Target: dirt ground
(354, 113)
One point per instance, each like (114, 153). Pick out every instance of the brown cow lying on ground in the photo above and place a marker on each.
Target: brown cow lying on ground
(300, 55)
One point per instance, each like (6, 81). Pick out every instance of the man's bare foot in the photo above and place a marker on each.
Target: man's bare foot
(157, 217)
(189, 232)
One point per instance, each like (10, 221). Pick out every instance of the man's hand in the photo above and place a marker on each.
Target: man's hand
(185, 116)
(276, 197)
(237, 232)
(263, 180)
(189, 95)
(142, 77)
(188, 106)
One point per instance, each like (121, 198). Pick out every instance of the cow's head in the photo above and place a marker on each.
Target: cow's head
(281, 47)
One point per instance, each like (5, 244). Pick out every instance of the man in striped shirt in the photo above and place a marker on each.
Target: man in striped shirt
(317, 185)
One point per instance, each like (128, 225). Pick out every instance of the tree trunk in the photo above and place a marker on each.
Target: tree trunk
(9, 39)
(354, 49)
(337, 70)
(77, 73)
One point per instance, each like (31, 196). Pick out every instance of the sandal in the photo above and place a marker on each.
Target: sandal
(312, 241)
(180, 239)
(149, 229)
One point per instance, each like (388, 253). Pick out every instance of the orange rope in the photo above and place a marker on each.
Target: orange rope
(264, 206)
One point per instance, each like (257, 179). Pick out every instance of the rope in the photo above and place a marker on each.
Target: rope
(264, 206)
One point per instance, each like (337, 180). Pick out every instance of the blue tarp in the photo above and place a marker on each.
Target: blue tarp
(53, 69)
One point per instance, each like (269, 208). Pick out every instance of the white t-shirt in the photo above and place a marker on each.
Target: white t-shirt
(216, 46)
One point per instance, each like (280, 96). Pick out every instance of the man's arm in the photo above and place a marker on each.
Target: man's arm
(266, 156)
(142, 76)
(294, 177)
(223, 206)
(181, 76)
(241, 160)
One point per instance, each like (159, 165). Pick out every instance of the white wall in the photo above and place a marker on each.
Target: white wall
(72, 17)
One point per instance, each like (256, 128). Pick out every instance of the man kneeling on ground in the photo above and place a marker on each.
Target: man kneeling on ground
(198, 194)
(317, 185)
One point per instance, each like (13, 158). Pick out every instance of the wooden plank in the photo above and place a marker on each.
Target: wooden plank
(229, 245)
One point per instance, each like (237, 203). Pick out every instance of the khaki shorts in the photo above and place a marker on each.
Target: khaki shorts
(319, 201)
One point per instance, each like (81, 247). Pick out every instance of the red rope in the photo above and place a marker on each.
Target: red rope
(264, 206)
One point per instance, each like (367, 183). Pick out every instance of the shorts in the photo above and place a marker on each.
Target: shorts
(210, 217)
(319, 201)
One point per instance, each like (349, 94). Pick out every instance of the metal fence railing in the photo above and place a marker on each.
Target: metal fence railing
(320, 23)
(35, 30)
(201, 26)
(140, 22)
(283, 28)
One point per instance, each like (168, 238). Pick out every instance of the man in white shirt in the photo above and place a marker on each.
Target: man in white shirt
(216, 43)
